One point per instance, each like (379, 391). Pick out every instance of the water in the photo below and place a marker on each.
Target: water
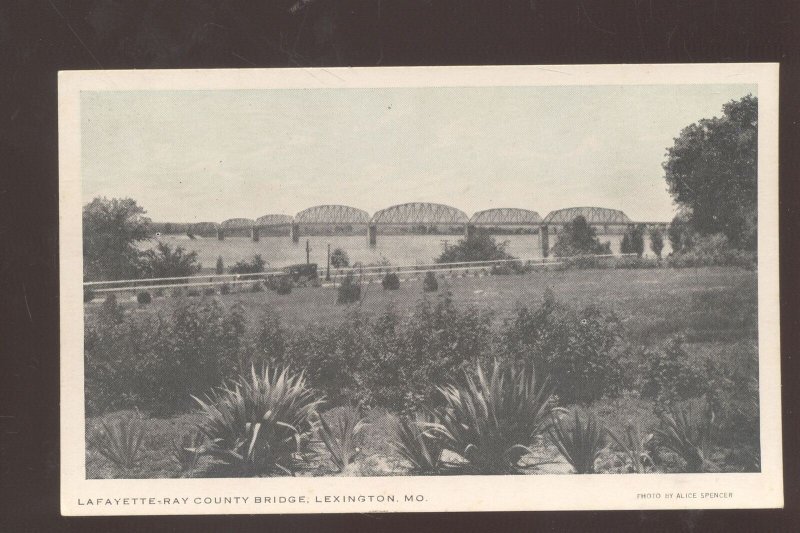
(280, 251)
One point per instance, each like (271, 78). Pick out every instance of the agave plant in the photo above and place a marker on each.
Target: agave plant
(341, 435)
(187, 451)
(580, 442)
(414, 440)
(490, 421)
(685, 430)
(120, 441)
(258, 425)
(635, 447)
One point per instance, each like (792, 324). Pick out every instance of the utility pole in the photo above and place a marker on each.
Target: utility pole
(308, 252)
(328, 268)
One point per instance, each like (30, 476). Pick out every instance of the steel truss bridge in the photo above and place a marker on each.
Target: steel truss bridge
(424, 214)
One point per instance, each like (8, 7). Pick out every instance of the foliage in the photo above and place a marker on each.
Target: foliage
(490, 421)
(429, 284)
(340, 436)
(637, 240)
(220, 268)
(669, 376)
(479, 246)
(88, 295)
(144, 298)
(339, 258)
(711, 250)
(186, 452)
(258, 425)
(257, 286)
(711, 171)
(120, 441)
(283, 285)
(349, 290)
(164, 262)
(415, 441)
(685, 430)
(635, 447)
(580, 350)
(579, 238)
(656, 241)
(111, 229)
(254, 266)
(224, 289)
(390, 282)
(581, 441)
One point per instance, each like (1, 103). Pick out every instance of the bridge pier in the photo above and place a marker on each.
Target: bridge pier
(295, 232)
(544, 237)
(220, 234)
(254, 233)
(372, 234)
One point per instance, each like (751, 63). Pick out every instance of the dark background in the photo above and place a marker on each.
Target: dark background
(38, 38)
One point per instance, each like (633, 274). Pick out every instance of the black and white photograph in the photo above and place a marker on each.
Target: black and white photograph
(337, 290)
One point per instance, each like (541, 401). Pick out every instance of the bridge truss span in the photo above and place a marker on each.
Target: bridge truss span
(420, 213)
(331, 214)
(506, 216)
(593, 215)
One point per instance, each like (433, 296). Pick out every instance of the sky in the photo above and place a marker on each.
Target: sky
(191, 156)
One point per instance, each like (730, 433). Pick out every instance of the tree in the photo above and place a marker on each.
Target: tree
(254, 266)
(625, 247)
(165, 262)
(579, 238)
(637, 240)
(656, 241)
(711, 172)
(220, 266)
(479, 246)
(111, 229)
(339, 258)
(679, 233)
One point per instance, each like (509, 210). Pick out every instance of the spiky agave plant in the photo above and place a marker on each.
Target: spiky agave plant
(340, 435)
(257, 425)
(581, 441)
(634, 445)
(685, 430)
(120, 441)
(414, 439)
(186, 452)
(491, 420)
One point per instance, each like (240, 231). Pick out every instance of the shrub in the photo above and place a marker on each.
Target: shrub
(144, 297)
(579, 238)
(186, 452)
(429, 284)
(257, 286)
(391, 282)
(120, 441)
(254, 266)
(224, 289)
(580, 441)
(209, 291)
(88, 295)
(165, 262)
(178, 292)
(158, 293)
(635, 448)
(339, 258)
(669, 376)
(580, 350)
(685, 430)
(341, 434)
(656, 241)
(220, 268)
(283, 285)
(479, 246)
(192, 293)
(257, 425)
(349, 291)
(490, 421)
(414, 440)
(269, 343)
(711, 250)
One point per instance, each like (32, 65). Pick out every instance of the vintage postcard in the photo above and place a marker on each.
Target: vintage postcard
(419, 289)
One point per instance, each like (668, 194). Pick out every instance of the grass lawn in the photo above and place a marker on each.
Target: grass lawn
(651, 303)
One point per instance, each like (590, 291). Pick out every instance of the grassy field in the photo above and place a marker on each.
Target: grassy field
(651, 303)
(705, 304)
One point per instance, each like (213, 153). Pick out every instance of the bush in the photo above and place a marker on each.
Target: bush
(88, 295)
(192, 293)
(580, 350)
(479, 246)
(283, 285)
(579, 238)
(414, 439)
(429, 284)
(656, 241)
(257, 286)
(178, 292)
(669, 376)
(256, 425)
(144, 298)
(224, 289)
(164, 262)
(340, 434)
(254, 266)
(349, 291)
(685, 430)
(491, 420)
(220, 268)
(209, 291)
(712, 250)
(120, 441)
(580, 440)
(339, 258)
(391, 282)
